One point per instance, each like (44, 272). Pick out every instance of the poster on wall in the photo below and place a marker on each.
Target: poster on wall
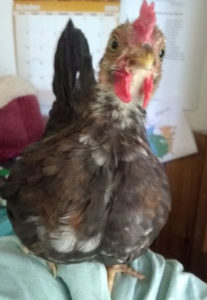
(169, 134)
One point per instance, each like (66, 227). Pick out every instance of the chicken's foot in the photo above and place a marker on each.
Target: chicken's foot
(112, 270)
(53, 268)
(25, 250)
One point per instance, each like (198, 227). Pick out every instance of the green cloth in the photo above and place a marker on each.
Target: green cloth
(5, 225)
(4, 172)
(26, 277)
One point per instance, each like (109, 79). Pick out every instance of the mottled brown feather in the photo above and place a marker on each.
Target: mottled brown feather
(92, 189)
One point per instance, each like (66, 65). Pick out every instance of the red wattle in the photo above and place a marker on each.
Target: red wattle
(147, 90)
(122, 81)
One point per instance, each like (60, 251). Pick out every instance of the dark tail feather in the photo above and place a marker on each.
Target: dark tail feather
(73, 78)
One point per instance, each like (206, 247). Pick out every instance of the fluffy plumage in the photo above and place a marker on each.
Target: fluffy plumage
(91, 188)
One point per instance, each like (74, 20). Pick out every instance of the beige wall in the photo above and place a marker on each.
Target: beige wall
(198, 118)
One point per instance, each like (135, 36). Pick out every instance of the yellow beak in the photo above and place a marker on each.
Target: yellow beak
(147, 61)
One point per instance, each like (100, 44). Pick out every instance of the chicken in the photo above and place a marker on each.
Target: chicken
(91, 188)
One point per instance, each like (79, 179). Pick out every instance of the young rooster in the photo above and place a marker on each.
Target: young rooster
(91, 189)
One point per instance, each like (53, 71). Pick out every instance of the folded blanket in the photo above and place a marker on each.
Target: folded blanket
(26, 277)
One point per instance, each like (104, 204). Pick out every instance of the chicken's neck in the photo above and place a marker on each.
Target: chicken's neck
(110, 110)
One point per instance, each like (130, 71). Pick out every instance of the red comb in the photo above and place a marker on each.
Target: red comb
(145, 24)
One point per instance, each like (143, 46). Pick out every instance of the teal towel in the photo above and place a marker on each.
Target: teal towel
(26, 277)
(5, 225)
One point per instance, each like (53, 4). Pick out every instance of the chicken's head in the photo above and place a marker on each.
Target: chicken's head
(132, 62)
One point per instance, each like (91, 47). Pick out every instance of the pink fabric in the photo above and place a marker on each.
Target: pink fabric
(21, 124)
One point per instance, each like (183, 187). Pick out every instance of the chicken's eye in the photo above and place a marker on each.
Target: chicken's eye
(162, 54)
(113, 44)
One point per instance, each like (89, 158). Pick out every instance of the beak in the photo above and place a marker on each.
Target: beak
(147, 59)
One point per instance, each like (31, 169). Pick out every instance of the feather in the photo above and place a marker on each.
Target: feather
(93, 189)
(73, 78)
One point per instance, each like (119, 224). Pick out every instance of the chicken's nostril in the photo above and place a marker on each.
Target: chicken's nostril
(132, 62)
(147, 47)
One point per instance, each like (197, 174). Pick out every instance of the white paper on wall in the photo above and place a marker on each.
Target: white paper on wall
(168, 131)
(7, 58)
